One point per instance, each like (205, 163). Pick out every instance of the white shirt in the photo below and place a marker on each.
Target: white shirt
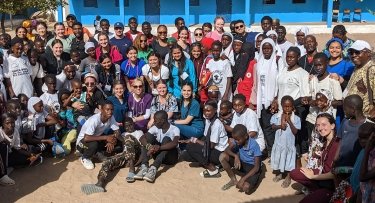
(164, 73)
(19, 71)
(137, 134)
(94, 126)
(218, 134)
(293, 83)
(220, 72)
(284, 48)
(38, 71)
(250, 120)
(50, 102)
(172, 132)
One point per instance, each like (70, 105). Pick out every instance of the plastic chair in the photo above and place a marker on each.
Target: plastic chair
(346, 16)
(357, 12)
(335, 15)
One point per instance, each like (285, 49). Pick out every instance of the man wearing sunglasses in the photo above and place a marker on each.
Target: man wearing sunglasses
(70, 20)
(119, 40)
(362, 81)
(240, 30)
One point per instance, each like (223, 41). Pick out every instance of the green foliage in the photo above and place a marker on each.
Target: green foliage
(14, 6)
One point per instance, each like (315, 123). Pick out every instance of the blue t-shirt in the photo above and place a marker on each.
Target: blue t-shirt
(122, 45)
(188, 74)
(194, 111)
(344, 68)
(119, 110)
(248, 154)
(130, 71)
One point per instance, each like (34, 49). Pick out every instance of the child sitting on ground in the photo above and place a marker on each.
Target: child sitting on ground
(245, 157)
(13, 107)
(283, 155)
(131, 153)
(23, 100)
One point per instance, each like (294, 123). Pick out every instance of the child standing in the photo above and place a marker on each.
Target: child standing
(283, 155)
(246, 158)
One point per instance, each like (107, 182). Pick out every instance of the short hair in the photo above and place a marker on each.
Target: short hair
(354, 101)
(266, 18)
(295, 50)
(366, 128)
(133, 18)
(339, 29)
(12, 102)
(106, 102)
(127, 119)
(282, 28)
(217, 43)
(239, 21)
(146, 23)
(178, 19)
(286, 98)
(61, 93)
(49, 77)
(239, 97)
(7, 115)
(211, 103)
(321, 55)
(77, 23)
(239, 130)
(226, 103)
(206, 24)
(162, 115)
(104, 20)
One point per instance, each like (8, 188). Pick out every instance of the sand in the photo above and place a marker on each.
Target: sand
(59, 180)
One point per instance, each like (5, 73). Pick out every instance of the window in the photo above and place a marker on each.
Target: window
(126, 3)
(194, 2)
(90, 3)
(299, 1)
(269, 1)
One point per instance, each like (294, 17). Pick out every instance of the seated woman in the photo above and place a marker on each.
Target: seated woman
(208, 150)
(154, 71)
(106, 48)
(163, 101)
(190, 123)
(319, 181)
(131, 68)
(120, 105)
(142, 46)
(139, 104)
(107, 73)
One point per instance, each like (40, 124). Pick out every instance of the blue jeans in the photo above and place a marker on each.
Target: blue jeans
(187, 131)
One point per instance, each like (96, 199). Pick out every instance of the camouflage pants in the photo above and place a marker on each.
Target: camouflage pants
(132, 151)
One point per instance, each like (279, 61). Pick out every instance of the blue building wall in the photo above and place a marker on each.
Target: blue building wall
(285, 10)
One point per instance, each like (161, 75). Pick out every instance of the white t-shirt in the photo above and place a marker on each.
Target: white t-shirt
(19, 71)
(29, 124)
(50, 102)
(62, 82)
(218, 134)
(172, 132)
(137, 134)
(250, 119)
(164, 73)
(220, 72)
(262, 81)
(94, 126)
(38, 71)
(284, 48)
(328, 84)
(293, 83)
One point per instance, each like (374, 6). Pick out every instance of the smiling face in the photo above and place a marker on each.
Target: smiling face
(239, 105)
(239, 28)
(119, 90)
(105, 26)
(184, 35)
(196, 52)
(17, 50)
(324, 127)
(146, 29)
(360, 58)
(106, 64)
(143, 42)
(321, 101)
(21, 33)
(57, 49)
(209, 112)
(219, 25)
(42, 31)
(198, 35)
(186, 92)
(119, 31)
(103, 41)
(60, 30)
(162, 33)
(162, 89)
(335, 49)
(137, 87)
(132, 55)
(153, 61)
(90, 83)
(78, 31)
(176, 54)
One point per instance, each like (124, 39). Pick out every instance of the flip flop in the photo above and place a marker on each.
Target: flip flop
(286, 183)
(206, 174)
(227, 186)
(130, 178)
(277, 178)
(89, 189)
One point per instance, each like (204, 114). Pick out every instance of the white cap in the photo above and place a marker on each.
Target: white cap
(89, 45)
(360, 45)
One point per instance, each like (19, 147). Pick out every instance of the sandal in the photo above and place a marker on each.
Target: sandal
(130, 178)
(277, 178)
(206, 174)
(227, 186)
(286, 183)
(6, 181)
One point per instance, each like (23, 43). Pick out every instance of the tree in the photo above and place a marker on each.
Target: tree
(14, 6)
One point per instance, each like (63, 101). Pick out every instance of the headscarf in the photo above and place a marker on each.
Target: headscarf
(301, 47)
(256, 51)
(30, 104)
(272, 71)
(229, 50)
(278, 49)
(335, 39)
(207, 42)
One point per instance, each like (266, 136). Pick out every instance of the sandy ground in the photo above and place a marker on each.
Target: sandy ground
(59, 180)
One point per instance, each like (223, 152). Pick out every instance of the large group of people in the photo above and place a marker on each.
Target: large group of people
(228, 100)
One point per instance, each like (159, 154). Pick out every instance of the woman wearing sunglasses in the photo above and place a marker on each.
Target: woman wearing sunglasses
(93, 97)
(139, 104)
(160, 45)
(198, 35)
(141, 44)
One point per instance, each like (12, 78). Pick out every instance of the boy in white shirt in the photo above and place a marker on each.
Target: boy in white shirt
(161, 142)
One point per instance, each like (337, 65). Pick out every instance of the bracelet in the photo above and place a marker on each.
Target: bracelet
(148, 146)
(194, 139)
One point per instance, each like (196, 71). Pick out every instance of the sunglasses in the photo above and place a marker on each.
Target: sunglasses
(142, 40)
(240, 26)
(118, 28)
(354, 52)
(137, 86)
(90, 84)
(160, 33)
(70, 19)
(198, 34)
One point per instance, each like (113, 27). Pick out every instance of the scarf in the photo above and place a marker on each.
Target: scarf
(229, 50)
(272, 71)
(301, 47)
(14, 140)
(278, 49)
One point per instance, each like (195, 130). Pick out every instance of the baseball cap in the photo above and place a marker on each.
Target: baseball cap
(119, 24)
(71, 16)
(360, 45)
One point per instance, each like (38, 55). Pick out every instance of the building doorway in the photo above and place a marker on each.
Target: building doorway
(152, 11)
(224, 9)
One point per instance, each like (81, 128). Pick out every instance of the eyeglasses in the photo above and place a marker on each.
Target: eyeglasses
(118, 28)
(198, 34)
(142, 40)
(240, 26)
(70, 19)
(137, 86)
(354, 52)
(90, 84)
(162, 33)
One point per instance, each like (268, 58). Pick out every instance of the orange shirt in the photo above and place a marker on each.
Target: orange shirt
(69, 31)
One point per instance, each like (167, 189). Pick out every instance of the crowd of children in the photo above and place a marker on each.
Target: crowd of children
(225, 100)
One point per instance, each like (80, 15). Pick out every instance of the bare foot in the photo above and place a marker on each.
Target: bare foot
(229, 185)
(286, 183)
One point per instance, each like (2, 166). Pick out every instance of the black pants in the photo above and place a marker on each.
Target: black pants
(246, 168)
(11, 159)
(269, 133)
(169, 157)
(3, 159)
(89, 149)
(302, 139)
(195, 154)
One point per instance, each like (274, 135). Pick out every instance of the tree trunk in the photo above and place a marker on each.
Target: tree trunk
(11, 21)
(2, 23)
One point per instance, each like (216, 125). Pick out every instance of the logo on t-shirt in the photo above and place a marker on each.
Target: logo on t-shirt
(217, 77)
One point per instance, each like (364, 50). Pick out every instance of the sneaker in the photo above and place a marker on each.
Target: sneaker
(87, 163)
(141, 173)
(5, 180)
(150, 176)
